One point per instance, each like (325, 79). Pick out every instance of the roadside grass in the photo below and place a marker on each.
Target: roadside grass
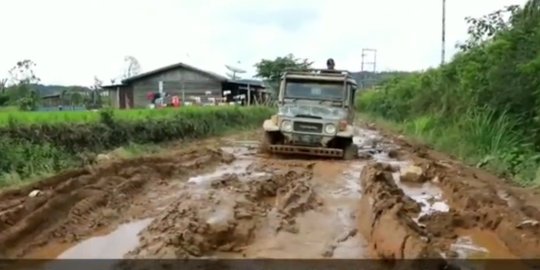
(479, 138)
(24, 160)
(23, 118)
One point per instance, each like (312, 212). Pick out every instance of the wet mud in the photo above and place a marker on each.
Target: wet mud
(227, 200)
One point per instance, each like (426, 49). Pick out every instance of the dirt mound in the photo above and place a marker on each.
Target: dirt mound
(388, 218)
(72, 205)
(482, 202)
(224, 217)
(478, 200)
(196, 225)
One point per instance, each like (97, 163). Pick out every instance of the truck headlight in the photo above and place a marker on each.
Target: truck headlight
(330, 129)
(286, 125)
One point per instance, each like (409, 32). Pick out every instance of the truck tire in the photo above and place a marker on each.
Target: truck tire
(350, 152)
(266, 141)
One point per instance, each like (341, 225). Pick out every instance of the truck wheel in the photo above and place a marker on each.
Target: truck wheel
(350, 152)
(265, 142)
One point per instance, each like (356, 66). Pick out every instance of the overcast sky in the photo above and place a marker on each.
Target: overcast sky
(74, 40)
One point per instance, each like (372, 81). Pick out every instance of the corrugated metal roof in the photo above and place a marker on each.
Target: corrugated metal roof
(112, 86)
(172, 67)
(248, 81)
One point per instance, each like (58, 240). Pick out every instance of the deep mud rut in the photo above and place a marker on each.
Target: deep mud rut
(222, 199)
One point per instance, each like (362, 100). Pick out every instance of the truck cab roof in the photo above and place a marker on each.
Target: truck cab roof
(320, 74)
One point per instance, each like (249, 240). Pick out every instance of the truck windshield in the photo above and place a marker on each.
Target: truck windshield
(321, 90)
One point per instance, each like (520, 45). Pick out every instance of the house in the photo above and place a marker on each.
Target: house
(187, 82)
(51, 100)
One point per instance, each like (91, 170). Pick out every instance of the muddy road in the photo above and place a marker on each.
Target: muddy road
(220, 198)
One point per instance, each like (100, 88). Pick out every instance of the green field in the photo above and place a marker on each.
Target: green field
(85, 117)
(33, 143)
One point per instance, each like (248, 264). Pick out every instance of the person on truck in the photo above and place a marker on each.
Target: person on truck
(330, 64)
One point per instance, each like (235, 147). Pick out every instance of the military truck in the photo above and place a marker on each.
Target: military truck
(315, 117)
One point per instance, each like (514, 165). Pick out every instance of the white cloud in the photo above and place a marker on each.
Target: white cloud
(71, 41)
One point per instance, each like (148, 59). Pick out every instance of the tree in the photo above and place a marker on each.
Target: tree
(271, 70)
(94, 101)
(30, 102)
(486, 27)
(22, 77)
(3, 84)
(132, 67)
(97, 84)
(76, 98)
(23, 73)
(4, 99)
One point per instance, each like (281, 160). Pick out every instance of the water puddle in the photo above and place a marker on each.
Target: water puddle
(510, 200)
(471, 244)
(205, 180)
(319, 234)
(110, 246)
(480, 244)
(239, 167)
(478, 249)
(465, 248)
(326, 232)
(220, 216)
(428, 195)
(238, 151)
(241, 149)
(351, 186)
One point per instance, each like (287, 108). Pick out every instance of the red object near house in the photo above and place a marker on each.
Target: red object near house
(150, 96)
(176, 101)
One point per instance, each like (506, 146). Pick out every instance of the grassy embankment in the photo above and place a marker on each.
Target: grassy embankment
(484, 105)
(35, 143)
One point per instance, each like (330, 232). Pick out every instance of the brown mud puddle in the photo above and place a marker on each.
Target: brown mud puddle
(261, 207)
(255, 206)
(75, 206)
(484, 218)
(230, 202)
(480, 244)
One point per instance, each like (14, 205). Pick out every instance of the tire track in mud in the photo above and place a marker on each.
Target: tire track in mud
(235, 203)
(267, 209)
(74, 205)
(467, 213)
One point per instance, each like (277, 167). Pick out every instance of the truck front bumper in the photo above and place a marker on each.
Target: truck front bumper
(306, 150)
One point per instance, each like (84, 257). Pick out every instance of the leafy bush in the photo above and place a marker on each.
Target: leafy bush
(483, 105)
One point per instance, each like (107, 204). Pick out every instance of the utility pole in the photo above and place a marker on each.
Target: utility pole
(373, 62)
(365, 71)
(443, 32)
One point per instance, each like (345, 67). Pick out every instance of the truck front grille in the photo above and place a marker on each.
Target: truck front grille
(308, 127)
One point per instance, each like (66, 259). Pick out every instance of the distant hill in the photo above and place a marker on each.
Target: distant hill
(48, 90)
(366, 79)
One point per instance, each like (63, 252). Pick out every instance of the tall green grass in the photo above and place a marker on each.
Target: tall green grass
(37, 143)
(84, 117)
(480, 137)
